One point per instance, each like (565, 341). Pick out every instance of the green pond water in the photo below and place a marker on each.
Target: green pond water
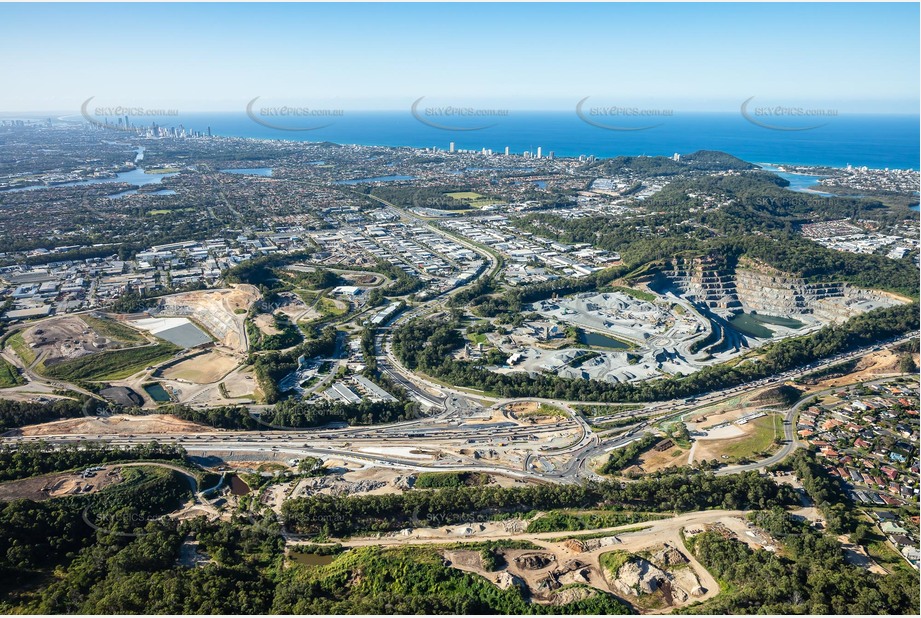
(755, 324)
(601, 341)
(157, 393)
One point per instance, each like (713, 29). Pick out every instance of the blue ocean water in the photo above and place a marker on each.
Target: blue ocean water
(876, 141)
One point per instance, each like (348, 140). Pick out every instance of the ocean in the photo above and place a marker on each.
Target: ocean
(861, 140)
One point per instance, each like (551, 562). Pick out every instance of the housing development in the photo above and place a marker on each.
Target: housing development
(557, 384)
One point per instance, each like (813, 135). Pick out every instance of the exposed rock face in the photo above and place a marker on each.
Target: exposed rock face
(506, 580)
(638, 577)
(752, 286)
(669, 556)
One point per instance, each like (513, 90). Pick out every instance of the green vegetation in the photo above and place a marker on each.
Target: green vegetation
(22, 413)
(542, 411)
(9, 375)
(343, 515)
(35, 458)
(331, 308)
(107, 327)
(289, 334)
(439, 480)
(612, 561)
(638, 294)
(410, 580)
(759, 222)
(273, 367)
(810, 575)
(825, 490)
(627, 455)
(768, 432)
(112, 365)
(19, 346)
(566, 521)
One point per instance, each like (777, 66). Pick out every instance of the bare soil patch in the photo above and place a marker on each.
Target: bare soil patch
(202, 369)
(119, 424)
(58, 484)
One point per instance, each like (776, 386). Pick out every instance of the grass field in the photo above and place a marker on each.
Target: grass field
(329, 307)
(637, 294)
(163, 211)
(9, 375)
(22, 350)
(114, 365)
(761, 440)
(474, 200)
(541, 410)
(112, 329)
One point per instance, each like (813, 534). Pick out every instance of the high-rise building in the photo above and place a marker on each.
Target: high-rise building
(506, 151)
(451, 147)
(538, 152)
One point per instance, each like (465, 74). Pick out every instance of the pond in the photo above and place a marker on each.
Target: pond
(601, 341)
(754, 324)
(157, 392)
(237, 486)
(311, 559)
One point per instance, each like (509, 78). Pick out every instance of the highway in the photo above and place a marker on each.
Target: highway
(447, 424)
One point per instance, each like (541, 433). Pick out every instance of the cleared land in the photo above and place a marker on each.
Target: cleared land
(113, 365)
(119, 424)
(220, 312)
(202, 368)
(69, 338)
(746, 441)
(55, 485)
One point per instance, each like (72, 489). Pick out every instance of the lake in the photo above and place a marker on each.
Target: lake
(358, 181)
(250, 171)
(137, 177)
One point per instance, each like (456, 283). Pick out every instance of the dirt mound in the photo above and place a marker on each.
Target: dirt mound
(119, 424)
(669, 556)
(575, 546)
(506, 580)
(534, 562)
(638, 577)
(571, 595)
(122, 395)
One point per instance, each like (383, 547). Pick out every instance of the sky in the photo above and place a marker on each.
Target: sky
(858, 58)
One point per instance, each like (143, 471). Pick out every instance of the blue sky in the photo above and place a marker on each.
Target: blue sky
(703, 57)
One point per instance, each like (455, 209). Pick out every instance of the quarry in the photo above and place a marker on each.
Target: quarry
(689, 314)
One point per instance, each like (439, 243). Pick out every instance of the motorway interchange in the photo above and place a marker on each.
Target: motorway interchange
(463, 429)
